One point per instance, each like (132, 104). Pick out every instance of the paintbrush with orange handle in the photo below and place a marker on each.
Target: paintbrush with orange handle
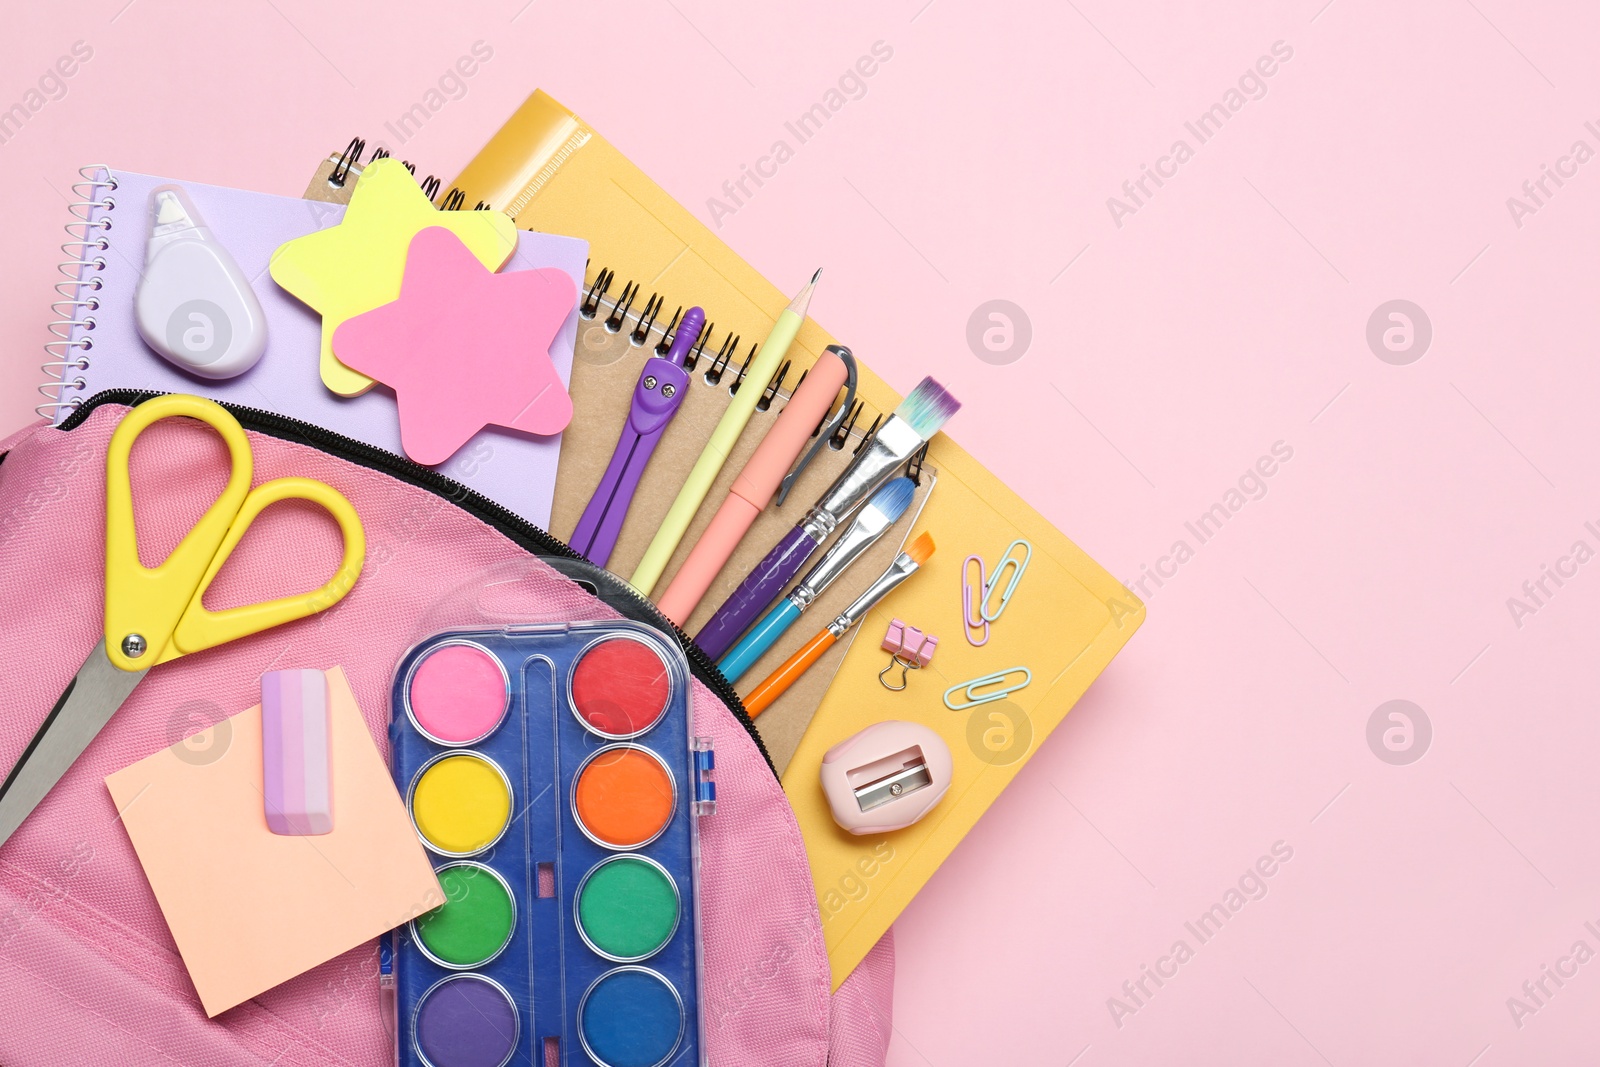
(903, 567)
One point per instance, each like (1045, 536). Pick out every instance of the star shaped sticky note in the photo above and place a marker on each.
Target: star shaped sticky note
(356, 265)
(463, 347)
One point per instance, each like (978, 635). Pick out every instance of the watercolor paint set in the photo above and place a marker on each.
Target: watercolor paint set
(552, 775)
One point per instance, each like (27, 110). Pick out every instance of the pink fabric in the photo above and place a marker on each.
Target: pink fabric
(26, 431)
(862, 1013)
(88, 971)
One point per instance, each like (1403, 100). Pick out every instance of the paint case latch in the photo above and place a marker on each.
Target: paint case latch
(705, 785)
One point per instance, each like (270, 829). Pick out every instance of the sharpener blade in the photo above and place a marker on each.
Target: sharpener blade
(908, 779)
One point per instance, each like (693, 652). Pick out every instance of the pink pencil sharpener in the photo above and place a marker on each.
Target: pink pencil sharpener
(886, 777)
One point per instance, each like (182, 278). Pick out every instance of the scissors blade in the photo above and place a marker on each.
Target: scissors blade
(90, 699)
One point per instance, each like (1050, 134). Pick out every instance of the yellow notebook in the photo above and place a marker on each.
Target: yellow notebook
(1065, 622)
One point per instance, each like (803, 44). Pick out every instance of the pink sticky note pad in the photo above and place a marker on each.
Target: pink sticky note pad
(248, 908)
(296, 752)
(463, 347)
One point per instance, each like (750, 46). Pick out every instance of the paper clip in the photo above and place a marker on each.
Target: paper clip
(972, 605)
(975, 693)
(1018, 566)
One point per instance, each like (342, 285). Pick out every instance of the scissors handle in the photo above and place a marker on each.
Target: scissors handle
(200, 628)
(147, 602)
(155, 614)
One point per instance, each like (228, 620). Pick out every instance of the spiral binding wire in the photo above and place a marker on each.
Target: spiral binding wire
(615, 311)
(75, 310)
(349, 161)
(350, 157)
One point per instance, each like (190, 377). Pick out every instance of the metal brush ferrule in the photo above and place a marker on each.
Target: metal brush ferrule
(902, 568)
(880, 457)
(851, 544)
(819, 524)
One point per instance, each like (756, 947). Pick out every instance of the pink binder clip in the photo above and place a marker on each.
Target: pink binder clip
(908, 647)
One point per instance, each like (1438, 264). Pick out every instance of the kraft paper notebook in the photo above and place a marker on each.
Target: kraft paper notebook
(513, 469)
(1067, 619)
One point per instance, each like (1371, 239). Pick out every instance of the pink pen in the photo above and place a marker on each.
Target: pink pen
(757, 483)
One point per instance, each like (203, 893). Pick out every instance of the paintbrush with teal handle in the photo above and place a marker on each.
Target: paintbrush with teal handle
(881, 512)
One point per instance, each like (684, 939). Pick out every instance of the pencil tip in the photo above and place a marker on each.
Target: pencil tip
(802, 300)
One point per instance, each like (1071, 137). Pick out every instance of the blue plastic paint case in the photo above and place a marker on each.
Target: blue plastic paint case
(563, 826)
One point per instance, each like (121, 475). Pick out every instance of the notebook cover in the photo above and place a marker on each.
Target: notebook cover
(1067, 620)
(513, 469)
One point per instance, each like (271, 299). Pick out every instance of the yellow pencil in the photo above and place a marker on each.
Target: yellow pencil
(715, 454)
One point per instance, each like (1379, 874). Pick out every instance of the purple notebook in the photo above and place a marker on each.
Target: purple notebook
(513, 469)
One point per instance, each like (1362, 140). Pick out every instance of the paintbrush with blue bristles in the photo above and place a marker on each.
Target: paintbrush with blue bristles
(881, 512)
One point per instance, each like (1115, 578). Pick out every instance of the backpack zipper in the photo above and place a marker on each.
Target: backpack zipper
(514, 527)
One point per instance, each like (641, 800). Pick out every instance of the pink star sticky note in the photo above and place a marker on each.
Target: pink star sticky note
(463, 347)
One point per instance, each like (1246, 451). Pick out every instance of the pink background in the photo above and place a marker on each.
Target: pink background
(1169, 353)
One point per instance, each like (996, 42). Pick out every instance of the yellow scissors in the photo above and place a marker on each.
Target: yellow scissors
(154, 614)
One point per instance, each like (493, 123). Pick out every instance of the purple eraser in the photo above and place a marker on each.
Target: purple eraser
(296, 743)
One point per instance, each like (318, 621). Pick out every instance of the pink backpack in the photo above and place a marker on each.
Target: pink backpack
(88, 970)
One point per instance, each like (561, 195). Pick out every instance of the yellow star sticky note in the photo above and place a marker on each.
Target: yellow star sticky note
(348, 269)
